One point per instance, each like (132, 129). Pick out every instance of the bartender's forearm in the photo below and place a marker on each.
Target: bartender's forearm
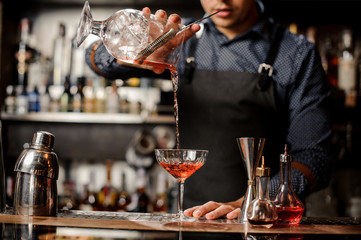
(104, 64)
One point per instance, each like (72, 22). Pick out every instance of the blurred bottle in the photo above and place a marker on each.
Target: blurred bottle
(330, 60)
(107, 195)
(66, 100)
(78, 98)
(123, 196)
(77, 61)
(89, 97)
(160, 202)
(60, 56)
(24, 53)
(21, 103)
(10, 184)
(113, 99)
(347, 62)
(140, 199)
(34, 99)
(100, 97)
(44, 98)
(10, 100)
(89, 201)
(68, 201)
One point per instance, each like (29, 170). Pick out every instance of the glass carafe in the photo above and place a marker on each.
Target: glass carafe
(129, 31)
(262, 211)
(288, 205)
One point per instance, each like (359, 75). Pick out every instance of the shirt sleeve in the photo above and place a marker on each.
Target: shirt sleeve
(102, 63)
(309, 130)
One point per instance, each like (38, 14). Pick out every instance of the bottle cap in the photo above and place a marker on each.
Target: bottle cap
(285, 157)
(263, 171)
(44, 139)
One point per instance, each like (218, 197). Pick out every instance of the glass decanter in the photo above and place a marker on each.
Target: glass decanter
(262, 211)
(129, 31)
(288, 206)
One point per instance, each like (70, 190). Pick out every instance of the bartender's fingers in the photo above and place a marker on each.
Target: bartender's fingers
(200, 211)
(234, 214)
(220, 211)
(146, 10)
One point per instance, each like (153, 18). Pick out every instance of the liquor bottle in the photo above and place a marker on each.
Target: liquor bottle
(160, 202)
(23, 52)
(89, 201)
(78, 98)
(66, 100)
(113, 100)
(347, 63)
(44, 99)
(262, 211)
(68, 200)
(21, 103)
(100, 97)
(123, 196)
(330, 60)
(89, 97)
(60, 56)
(34, 99)
(140, 199)
(289, 208)
(77, 61)
(107, 195)
(10, 100)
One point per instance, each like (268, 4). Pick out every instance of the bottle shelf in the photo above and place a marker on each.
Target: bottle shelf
(106, 118)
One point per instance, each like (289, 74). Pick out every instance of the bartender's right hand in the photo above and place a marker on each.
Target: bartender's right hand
(173, 21)
(213, 210)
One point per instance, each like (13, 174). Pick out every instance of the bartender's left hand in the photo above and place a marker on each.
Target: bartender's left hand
(213, 210)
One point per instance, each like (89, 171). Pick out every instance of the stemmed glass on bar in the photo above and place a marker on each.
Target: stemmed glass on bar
(181, 164)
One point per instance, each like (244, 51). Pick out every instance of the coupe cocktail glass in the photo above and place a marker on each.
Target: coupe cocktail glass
(181, 163)
(127, 32)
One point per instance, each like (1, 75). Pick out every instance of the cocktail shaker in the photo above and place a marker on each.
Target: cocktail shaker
(37, 171)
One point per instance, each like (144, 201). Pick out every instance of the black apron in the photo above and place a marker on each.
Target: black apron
(215, 108)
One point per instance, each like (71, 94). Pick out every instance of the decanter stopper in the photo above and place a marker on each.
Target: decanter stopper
(288, 205)
(262, 211)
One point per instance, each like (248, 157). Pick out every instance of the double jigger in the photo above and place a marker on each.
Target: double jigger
(251, 149)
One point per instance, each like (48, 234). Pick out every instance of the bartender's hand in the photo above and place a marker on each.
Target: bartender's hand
(173, 21)
(212, 210)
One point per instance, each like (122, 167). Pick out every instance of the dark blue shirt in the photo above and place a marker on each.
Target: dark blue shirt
(299, 80)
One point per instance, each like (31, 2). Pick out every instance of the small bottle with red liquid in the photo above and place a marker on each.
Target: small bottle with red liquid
(288, 206)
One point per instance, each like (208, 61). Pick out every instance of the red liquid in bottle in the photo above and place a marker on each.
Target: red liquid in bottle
(289, 215)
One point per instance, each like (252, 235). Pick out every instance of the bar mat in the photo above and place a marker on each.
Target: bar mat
(331, 220)
(132, 216)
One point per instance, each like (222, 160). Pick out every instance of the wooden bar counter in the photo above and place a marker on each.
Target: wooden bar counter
(165, 226)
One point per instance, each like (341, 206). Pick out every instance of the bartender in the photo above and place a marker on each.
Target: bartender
(242, 75)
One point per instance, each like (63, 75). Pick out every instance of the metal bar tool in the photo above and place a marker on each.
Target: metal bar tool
(251, 151)
(164, 38)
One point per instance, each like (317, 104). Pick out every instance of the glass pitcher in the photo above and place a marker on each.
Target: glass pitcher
(127, 32)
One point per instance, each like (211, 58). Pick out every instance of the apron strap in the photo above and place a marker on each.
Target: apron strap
(265, 69)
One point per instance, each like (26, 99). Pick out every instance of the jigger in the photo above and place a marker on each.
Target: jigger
(251, 149)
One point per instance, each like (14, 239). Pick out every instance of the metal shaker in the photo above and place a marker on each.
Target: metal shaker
(37, 171)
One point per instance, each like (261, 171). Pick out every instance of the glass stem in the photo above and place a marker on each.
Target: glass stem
(96, 28)
(180, 198)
